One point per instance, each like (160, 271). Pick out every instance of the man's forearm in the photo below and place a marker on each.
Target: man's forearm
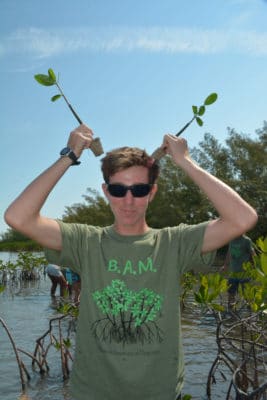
(235, 214)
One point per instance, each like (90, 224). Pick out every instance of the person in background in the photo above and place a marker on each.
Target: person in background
(128, 342)
(240, 251)
(74, 284)
(57, 278)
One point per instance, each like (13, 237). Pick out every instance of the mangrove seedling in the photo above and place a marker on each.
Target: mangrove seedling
(51, 80)
(198, 113)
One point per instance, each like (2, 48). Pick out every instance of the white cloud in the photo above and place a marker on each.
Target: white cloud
(42, 44)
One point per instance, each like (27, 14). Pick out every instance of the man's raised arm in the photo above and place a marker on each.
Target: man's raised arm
(236, 216)
(24, 215)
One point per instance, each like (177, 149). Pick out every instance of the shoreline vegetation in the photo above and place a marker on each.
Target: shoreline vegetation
(17, 246)
(14, 241)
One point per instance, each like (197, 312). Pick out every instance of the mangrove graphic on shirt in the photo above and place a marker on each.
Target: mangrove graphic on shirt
(128, 316)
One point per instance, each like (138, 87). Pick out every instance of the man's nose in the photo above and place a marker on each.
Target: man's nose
(128, 198)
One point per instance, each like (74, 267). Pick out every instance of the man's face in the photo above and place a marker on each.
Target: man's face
(129, 211)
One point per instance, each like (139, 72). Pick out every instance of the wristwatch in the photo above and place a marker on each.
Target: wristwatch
(67, 152)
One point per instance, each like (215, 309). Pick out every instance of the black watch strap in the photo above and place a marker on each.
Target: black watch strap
(74, 159)
(67, 152)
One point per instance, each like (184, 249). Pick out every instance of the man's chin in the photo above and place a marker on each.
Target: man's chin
(129, 222)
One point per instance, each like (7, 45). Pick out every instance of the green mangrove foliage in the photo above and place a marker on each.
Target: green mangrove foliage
(199, 112)
(254, 293)
(51, 80)
(241, 333)
(211, 288)
(28, 266)
(128, 315)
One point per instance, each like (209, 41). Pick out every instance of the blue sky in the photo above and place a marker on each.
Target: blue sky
(132, 70)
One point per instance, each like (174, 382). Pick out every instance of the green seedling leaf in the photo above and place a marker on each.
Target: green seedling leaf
(52, 75)
(199, 121)
(67, 343)
(203, 291)
(57, 345)
(50, 80)
(56, 97)
(201, 110)
(210, 99)
(44, 80)
(263, 260)
(198, 298)
(262, 244)
(194, 108)
(218, 307)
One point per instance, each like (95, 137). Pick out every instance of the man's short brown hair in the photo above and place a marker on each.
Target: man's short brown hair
(125, 157)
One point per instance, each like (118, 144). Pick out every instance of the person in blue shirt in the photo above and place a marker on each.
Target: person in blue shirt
(74, 284)
(57, 278)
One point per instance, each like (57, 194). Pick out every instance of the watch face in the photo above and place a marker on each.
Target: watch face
(65, 151)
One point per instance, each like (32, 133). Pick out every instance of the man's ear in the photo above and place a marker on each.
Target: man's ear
(153, 191)
(105, 190)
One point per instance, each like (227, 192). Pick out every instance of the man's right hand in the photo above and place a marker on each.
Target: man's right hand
(24, 215)
(80, 138)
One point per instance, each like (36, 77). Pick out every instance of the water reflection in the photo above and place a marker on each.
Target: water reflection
(27, 313)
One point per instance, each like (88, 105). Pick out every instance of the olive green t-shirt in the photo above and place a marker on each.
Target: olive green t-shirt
(128, 342)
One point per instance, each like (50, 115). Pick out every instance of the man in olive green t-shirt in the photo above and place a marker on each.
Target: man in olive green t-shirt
(128, 341)
(129, 312)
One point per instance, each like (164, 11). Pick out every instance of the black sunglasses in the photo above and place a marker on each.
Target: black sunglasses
(139, 190)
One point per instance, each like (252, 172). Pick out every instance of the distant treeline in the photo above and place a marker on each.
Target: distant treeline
(27, 245)
(15, 241)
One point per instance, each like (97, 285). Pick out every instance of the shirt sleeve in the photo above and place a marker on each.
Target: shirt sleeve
(72, 241)
(190, 248)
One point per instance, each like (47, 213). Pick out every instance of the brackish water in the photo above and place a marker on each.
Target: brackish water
(27, 313)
